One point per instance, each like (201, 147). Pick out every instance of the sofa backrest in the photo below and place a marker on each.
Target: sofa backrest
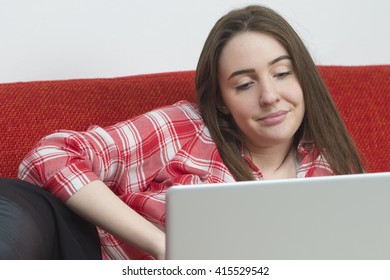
(31, 110)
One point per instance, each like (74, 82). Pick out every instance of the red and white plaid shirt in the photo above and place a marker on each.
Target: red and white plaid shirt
(138, 160)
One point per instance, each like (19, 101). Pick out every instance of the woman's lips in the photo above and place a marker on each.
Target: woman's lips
(274, 118)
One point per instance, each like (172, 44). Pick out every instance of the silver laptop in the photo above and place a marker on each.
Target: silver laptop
(337, 217)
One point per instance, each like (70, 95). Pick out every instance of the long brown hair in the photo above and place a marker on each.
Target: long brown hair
(322, 124)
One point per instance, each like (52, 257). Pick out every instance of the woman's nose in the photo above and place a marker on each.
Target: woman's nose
(268, 94)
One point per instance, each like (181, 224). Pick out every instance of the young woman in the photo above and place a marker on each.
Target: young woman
(263, 112)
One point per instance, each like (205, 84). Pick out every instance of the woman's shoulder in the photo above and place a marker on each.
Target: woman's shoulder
(181, 109)
(182, 116)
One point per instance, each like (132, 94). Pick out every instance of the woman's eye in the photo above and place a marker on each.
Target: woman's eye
(282, 75)
(244, 86)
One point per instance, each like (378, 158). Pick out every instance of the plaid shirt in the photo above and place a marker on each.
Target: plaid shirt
(138, 160)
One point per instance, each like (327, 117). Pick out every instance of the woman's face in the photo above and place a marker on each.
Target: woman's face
(260, 90)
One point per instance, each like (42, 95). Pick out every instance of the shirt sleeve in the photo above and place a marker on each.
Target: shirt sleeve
(126, 156)
(198, 162)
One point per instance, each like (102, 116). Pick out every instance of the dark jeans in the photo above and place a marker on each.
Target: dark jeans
(36, 225)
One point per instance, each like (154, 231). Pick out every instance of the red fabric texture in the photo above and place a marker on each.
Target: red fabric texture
(31, 110)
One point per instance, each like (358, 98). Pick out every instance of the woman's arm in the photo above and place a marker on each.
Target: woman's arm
(98, 204)
(93, 171)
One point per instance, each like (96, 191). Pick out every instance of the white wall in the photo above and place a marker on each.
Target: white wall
(65, 39)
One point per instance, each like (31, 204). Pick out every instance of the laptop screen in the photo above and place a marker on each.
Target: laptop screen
(337, 217)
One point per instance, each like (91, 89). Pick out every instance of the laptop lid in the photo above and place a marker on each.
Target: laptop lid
(336, 217)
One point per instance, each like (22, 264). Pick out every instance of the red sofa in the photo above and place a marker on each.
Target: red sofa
(31, 110)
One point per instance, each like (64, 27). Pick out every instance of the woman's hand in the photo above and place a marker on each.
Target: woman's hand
(159, 253)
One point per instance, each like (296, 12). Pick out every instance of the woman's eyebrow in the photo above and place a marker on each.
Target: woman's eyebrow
(272, 62)
(250, 70)
(240, 72)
